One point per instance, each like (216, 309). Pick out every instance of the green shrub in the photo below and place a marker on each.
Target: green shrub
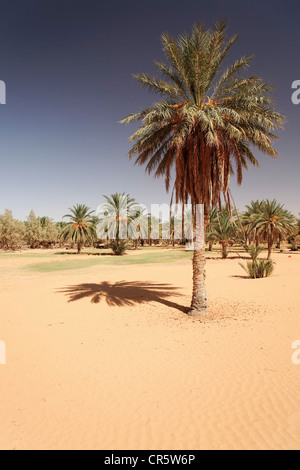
(257, 268)
(118, 247)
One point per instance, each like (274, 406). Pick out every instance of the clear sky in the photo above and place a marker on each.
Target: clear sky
(68, 67)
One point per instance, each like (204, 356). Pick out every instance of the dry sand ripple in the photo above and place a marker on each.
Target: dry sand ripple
(127, 369)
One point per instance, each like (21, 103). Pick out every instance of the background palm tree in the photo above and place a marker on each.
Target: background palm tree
(138, 229)
(204, 127)
(294, 238)
(81, 226)
(118, 211)
(213, 221)
(249, 218)
(273, 221)
(224, 231)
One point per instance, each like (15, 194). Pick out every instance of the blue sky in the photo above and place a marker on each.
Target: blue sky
(68, 69)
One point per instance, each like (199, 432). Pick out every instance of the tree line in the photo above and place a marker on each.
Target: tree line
(123, 223)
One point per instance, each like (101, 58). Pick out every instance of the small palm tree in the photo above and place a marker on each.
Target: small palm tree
(81, 226)
(213, 221)
(257, 268)
(206, 124)
(224, 231)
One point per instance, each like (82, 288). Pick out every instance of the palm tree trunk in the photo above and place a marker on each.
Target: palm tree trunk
(256, 241)
(182, 224)
(199, 297)
(279, 242)
(210, 246)
(270, 245)
(224, 250)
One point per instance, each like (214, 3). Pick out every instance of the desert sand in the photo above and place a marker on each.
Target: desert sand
(106, 358)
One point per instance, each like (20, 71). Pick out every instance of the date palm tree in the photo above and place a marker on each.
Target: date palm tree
(81, 226)
(213, 221)
(294, 239)
(224, 231)
(249, 218)
(138, 229)
(274, 221)
(115, 216)
(204, 127)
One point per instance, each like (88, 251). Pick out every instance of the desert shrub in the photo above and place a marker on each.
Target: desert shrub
(257, 268)
(260, 269)
(118, 247)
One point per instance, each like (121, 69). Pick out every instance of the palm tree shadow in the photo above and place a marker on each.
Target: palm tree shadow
(123, 293)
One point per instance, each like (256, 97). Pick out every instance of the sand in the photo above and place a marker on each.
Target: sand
(105, 358)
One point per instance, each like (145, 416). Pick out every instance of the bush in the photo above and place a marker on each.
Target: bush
(260, 269)
(12, 232)
(257, 268)
(118, 247)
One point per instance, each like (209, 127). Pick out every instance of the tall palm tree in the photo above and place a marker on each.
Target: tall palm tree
(81, 226)
(204, 126)
(274, 221)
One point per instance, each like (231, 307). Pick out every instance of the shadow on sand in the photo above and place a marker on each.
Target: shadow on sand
(123, 293)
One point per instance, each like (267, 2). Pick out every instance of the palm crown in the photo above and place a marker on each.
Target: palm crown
(115, 215)
(208, 119)
(81, 226)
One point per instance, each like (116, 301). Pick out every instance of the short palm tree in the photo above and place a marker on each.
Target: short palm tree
(213, 221)
(81, 226)
(224, 231)
(257, 268)
(204, 127)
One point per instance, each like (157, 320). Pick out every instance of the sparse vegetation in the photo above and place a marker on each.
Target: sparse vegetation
(257, 268)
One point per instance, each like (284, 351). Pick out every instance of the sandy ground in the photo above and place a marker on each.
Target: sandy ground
(105, 358)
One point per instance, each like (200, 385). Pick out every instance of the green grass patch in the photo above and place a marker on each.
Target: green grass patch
(25, 255)
(69, 264)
